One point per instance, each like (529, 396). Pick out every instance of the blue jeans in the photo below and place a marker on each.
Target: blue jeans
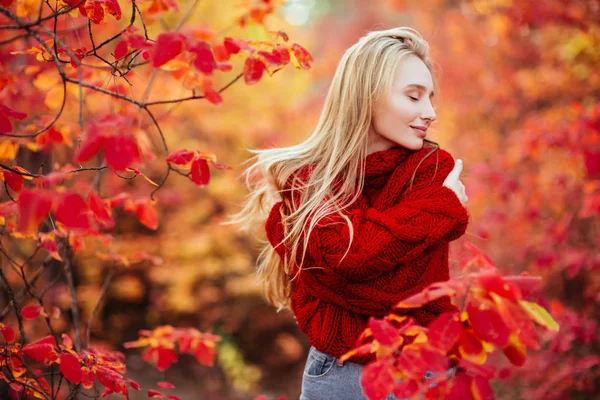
(324, 379)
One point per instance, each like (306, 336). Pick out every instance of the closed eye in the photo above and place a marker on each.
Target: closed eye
(413, 98)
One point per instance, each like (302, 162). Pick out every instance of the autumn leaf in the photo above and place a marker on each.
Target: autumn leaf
(42, 349)
(7, 113)
(200, 172)
(301, 56)
(181, 157)
(31, 311)
(539, 315)
(73, 212)
(70, 367)
(168, 46)
(204, 61)
(444, 331)
(377, 380)
(253, 70)
(7, 332)
(120, 151)
(147, 215)
(121, 49)
(13, 180)
(488, 324)
(34, 206)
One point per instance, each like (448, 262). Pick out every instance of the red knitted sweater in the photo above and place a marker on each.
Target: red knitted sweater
(400, 246)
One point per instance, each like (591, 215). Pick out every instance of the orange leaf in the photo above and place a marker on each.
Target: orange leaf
(147, 215)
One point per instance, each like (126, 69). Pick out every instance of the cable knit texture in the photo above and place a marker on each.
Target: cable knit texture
(400, 246)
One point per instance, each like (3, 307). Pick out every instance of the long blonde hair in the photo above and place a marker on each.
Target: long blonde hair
(336, 147)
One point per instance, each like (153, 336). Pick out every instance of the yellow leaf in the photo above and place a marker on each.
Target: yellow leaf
(539, 315)
(8, 150)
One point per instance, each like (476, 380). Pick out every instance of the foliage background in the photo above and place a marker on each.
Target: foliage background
(518, 104)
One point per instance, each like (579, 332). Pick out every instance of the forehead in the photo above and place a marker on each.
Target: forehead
(413, 71)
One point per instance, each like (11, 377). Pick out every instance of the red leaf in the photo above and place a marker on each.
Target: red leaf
(481, 389)
(165, 385)
(377, 379)
(205, 354)
(168, 46)
(94, 11)
(34, 206)
(70, 367)
(89, 148)
(120, 152)
(204, 61)
(14, 114)
(147, 215)
(491, 281)
(200, 172)
(406, 389)
(121, 49)
(485, 371)
(384, 332)
(154, 393)
(517, 355)
(233, 46)
(7, 332)
(488, 324)
(113, 8)
(5, 114)
(444, 331)
(461, 388)
(31, 312)
(592, 163)
(88, 379)
(181, 157)
(134, 385)
(5, 125)
(73, 212)
(433, 292)
(253, 70)
(527, 284)
(100, 209)
(42, 349)
(13, 180)
(302, 55)
(210, 93)
(470, 344)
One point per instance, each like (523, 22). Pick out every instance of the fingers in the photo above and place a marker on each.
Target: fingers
(454, 174)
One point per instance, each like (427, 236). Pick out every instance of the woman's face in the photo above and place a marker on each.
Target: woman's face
(407, 107)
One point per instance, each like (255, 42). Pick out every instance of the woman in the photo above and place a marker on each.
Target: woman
(364, 209)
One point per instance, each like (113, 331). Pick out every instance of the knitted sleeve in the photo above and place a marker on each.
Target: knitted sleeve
(382, 239)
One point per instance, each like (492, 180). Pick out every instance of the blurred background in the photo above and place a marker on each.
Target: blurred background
(519, 104)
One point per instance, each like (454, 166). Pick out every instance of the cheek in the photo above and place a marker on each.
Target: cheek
(394, 115)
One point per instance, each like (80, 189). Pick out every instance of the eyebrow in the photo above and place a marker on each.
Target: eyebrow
(420, 87)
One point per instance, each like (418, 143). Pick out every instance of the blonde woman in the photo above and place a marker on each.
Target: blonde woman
(360, 214)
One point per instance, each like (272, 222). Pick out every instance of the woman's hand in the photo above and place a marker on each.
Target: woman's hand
(273, 194)
(453, 182)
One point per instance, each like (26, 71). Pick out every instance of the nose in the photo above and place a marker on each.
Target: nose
(428, 114)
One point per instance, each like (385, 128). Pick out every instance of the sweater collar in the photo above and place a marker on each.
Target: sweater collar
(384, 162)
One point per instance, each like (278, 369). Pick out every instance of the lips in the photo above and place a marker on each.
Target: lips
(421, 132)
